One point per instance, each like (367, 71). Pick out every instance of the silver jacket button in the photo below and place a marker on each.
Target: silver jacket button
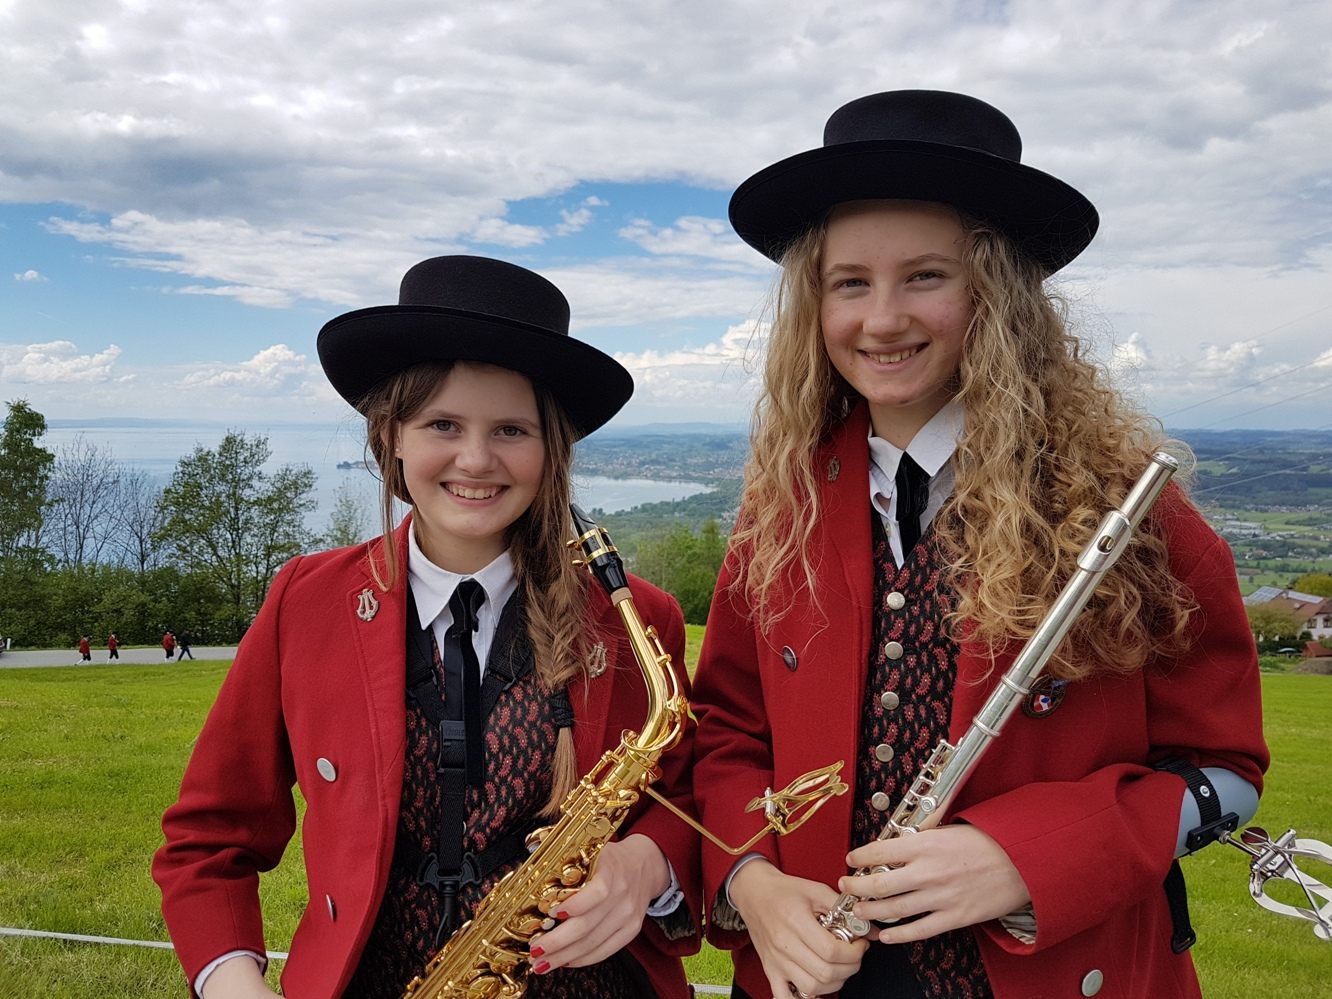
(889, 700)
(332, 909)
(1092, 982)
(893, 650)
(326, 769)
(895, 601)
(883, 752)
(880, 801)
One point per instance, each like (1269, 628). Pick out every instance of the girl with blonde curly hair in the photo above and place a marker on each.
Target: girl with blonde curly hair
(931, 452)
(437, 691)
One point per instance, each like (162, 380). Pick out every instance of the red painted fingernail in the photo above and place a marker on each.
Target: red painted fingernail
(541, 967)
(537, 951)
(561, 914)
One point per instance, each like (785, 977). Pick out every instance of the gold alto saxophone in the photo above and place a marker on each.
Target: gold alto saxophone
(487, 957)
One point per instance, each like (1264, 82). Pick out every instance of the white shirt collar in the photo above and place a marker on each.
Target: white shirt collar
(932, 446)
(432, 587)
(932, 449)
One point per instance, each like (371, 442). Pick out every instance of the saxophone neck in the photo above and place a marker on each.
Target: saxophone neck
(664, 704)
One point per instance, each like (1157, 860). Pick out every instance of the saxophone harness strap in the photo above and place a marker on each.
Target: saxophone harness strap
(459, 764)
(1211, 826)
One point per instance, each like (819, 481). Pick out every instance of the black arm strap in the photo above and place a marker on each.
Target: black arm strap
(1210, 827)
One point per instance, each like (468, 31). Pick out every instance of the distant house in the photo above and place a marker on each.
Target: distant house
(1314, 612)
(1240, 529)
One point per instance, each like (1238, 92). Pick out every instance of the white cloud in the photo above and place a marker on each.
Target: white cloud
(501, 233)
(29, 275)
(720, 377)
(576, 220)
(270, 371)
(56, 363)
(692, 236)
(313, 153)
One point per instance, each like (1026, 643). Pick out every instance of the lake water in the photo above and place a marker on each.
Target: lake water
(157, 447)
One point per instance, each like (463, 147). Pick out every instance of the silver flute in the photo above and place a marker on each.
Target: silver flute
(949, 767)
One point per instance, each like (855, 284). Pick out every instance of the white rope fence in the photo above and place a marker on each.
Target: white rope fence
(275, 955)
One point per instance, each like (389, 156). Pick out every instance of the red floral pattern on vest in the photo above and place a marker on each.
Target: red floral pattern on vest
(947, 966)
(519, 751)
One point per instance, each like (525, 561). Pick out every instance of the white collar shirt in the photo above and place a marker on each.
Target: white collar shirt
(432, 588)
(932, 449)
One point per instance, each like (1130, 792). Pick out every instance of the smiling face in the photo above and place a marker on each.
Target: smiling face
(894, 308)
(472, 459)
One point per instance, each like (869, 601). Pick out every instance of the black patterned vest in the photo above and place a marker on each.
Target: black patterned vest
(521, 725)
(908, 695)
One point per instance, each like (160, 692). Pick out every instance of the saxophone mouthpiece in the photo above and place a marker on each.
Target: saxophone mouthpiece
(599, 554)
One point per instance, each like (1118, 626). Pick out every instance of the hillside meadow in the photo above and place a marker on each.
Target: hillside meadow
(90, 756)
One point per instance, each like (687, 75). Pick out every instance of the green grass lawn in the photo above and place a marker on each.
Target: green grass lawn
(90, 756)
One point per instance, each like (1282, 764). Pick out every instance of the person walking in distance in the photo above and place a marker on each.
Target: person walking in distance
(169, 644)
(112, 647)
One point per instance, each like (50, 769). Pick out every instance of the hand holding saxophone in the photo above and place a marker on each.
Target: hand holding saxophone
(949, 877)
(605, 914)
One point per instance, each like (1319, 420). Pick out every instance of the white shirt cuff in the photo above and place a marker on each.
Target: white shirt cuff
(726, 886)
(213, 965)
(669, 900)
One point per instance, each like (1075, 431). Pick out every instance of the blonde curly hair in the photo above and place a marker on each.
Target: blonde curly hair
(1056, 449)
(554, 590)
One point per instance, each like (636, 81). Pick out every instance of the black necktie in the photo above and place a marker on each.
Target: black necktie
(913, 495)
(462, 671)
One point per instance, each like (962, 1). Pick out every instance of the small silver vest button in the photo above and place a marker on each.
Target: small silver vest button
(895, 601)
(880, 801)
(889, 700)
(326, 769)
(893, 650)
(883, 752)
(1092, 982)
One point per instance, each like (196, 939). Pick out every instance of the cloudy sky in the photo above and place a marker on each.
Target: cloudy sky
(190, 189)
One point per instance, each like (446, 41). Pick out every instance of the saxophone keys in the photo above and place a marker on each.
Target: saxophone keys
(570, 875)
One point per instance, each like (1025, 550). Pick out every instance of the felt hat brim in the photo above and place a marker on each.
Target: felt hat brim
(360, 349)
(1048, 219)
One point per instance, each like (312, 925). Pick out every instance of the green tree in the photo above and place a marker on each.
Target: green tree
(684, 564)
(25, 470)
(1270, 623)
(348, 520)
(224, 517)
(1318, 584)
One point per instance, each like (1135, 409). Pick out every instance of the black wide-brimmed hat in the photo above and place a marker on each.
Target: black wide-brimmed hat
(463, 308)
(920, 145)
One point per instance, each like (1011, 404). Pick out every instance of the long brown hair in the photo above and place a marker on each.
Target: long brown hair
(555, 592)
(1047, 447)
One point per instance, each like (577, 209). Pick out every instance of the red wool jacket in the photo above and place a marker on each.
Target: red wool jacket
(313, 684)
(1071, 797)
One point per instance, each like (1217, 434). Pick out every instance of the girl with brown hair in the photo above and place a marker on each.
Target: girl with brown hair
(437, 691)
